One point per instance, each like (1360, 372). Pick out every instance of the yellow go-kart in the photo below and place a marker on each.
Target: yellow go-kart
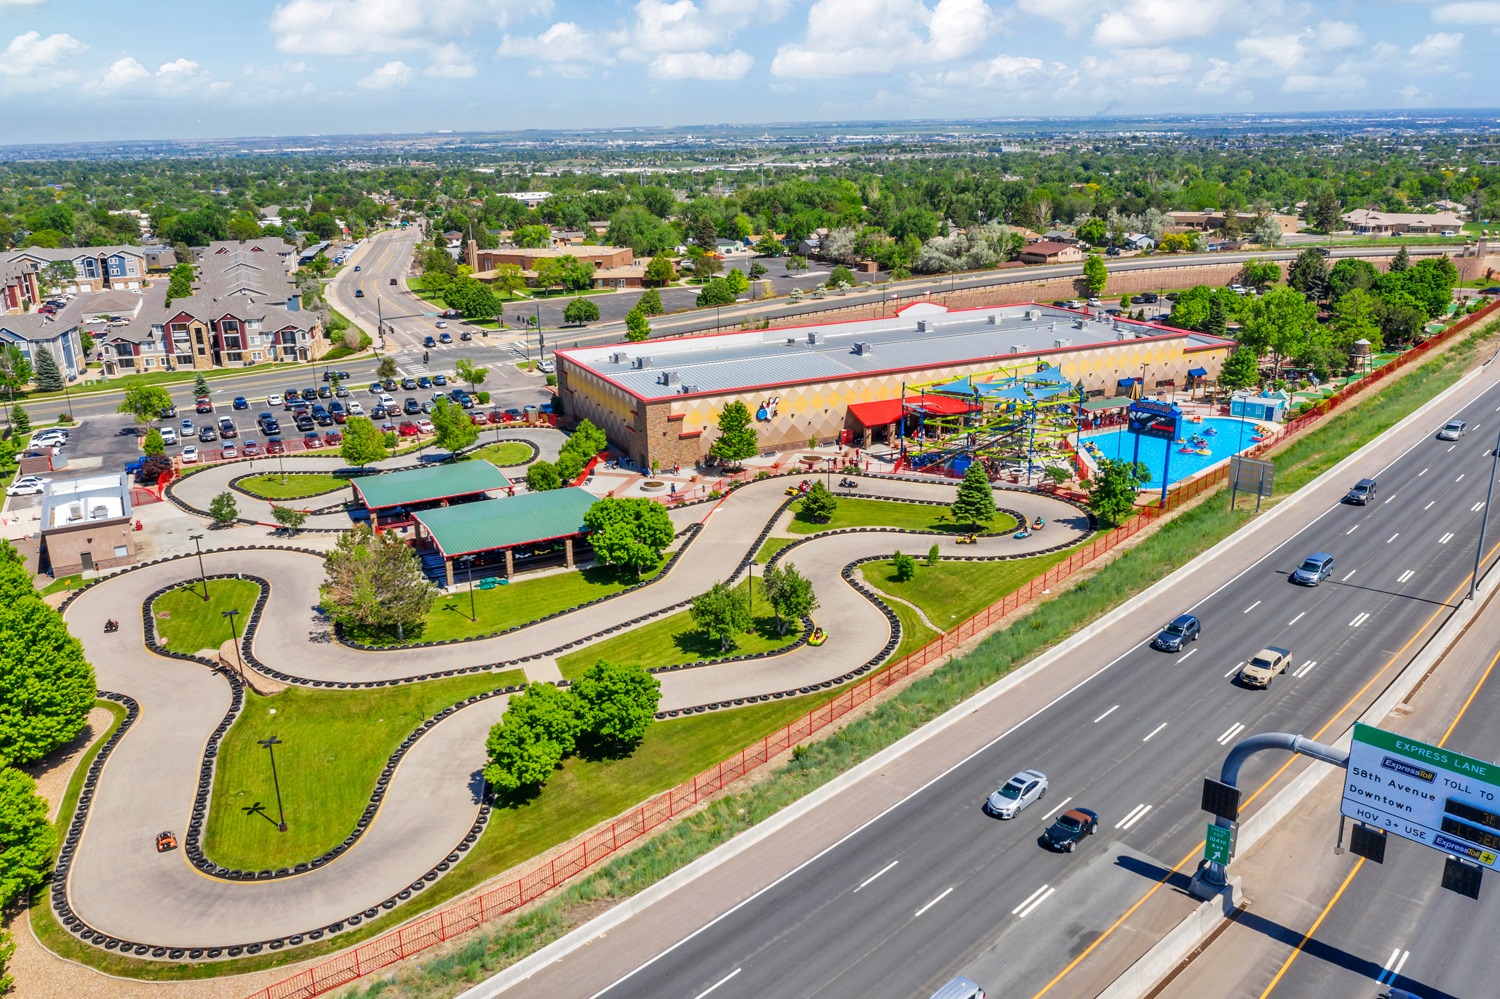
(818, 636)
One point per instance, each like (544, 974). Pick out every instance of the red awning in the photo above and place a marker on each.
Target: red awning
(888, 411)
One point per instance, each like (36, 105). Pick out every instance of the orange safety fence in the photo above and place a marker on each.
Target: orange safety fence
(597, 846)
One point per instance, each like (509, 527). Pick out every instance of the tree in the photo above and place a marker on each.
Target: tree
(1401, 319)
(323, 225)
(722, 612)
(1241, 369)
(660, 271)
(223, 509)
(1217, 323)
(364, 443)
(649, 304)
(537, 732)
(791, 594)
(769, 246)
(1324, 212)
(531, 237)
(27, 839)
(58, 274)
(143, 402)
(200, 384)
(904, 566)
(375, 581)
(1309, 273)
(455, 431)
(615, 703)
(818, 504)
(46, 684)
(1267, 231)
(1350, 273)
(1356, 316)
(975, 503)
(1092, 231)
(154, 443)
(509, 279)
(716, 292)
(1281, 322)
(580, 311)
(15, 368)
(387, 367)
(738, 283)
(1095, 274)
(934, 554)
(629, 532)
(737, 438)
(637, 328)
(470, 374)
(48, 377)
(550, 272)
(542, 476)
(289, 518)
(757, 270)
(840, 277)
(1401, 261)
(1112, 489)
(1260, 274)
(586, 442)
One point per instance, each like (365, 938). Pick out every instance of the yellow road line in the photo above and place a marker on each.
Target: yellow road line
(1314, 928)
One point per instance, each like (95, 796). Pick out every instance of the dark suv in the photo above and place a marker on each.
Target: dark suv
(1183, 629)
(1362, 493)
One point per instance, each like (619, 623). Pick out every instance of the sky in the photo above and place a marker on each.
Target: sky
(89, 70)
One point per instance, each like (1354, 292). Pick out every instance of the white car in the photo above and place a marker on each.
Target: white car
(1015, 794)
(230, 452)
(95, 321)
(49, 439)
(190, 455)
(441, 325)
(168, 435)
(426, 427)
(546, 367)
(274, 399)
(388, 402)
(27, 485)
(355, 409)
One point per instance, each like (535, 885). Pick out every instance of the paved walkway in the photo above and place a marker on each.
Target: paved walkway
(119, 885)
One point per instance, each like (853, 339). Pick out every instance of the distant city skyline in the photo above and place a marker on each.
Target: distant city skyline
(79, 70)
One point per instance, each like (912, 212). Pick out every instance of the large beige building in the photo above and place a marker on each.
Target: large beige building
(660, 400)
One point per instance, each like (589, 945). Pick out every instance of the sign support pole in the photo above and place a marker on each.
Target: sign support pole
(1485, 520)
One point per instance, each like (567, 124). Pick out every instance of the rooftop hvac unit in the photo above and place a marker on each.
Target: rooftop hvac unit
(812, 338)
(643, 362)
(1061, 342)
(791, 341)
(618, 357)
(992, 319)
(1032, 315)
(688, 389)
(921, 326)
(1017, 348)
(670, 378)
(1121, 334)
(1079, 324)
(864, 349)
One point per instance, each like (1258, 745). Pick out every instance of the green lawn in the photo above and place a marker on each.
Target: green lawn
(334, 744)
(771, 547)
(60, 585)
(149, 378)
(914, 634)
(273, 486)
(506, 454)
(191, 625)
(951, 592)
(674, 639)
(506, 607)
(887, 513)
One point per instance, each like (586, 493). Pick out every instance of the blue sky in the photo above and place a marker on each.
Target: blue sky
(85, 69)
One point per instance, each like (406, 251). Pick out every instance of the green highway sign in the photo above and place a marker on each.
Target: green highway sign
(1424, 793)
(1217, 844)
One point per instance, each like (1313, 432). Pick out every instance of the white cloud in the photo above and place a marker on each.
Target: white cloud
(852, 37)
(1283, 53)
(1334, 35)
(451, 62)
(393, 74)
(564, 43)
(1412, 94)
(1011, 71)
(122, 73)
(1480, 12)
(1439, 47)
(31, 53)
(1324, 84)
(1219, 78)
(19, 3)
(185, 76)
(701, 66)
(1157, 22)
(1160, 67)
(356, 27)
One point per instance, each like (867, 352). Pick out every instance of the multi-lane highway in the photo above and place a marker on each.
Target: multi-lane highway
(926, 886)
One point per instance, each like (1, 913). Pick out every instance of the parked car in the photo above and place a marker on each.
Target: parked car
(303, 423)
(227, 429)
(274, 399)
(495, 416)
(546, 367)
(423, 382)
(311, 441)
(168, 435)
(274, 445)
(341, 392)
(1314, 569)
(27, 485)
(190, 455)
(229, 452)
(1361, 492)
(336, 410)
(134, 466)
(478, 419)
(440, 380)
(356, 409)
(268, 424)
(169, 413)
(1263, 666)
(426, 427)
(333, 439)
(251, 448)
(389, 384)
(377, 412)
(324, 392)
(1070, 827)
(374, 388)
(203, 404)
(1453, 430)
(409, 384)
(207, 434)
(411, 407)
(514, 415)
(1182, 629)
(1015, 794)
(186, 427)
(407, 429)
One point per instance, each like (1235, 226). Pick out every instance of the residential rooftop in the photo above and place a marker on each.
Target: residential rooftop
(920, 337)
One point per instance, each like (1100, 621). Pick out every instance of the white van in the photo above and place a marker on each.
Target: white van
(169, 435)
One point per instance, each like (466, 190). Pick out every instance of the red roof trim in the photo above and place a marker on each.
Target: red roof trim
(690, 435)
(675, 417)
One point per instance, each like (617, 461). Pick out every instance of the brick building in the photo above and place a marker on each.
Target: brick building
(86, 524)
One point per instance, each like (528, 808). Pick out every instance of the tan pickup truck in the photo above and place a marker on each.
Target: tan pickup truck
(1263, 666)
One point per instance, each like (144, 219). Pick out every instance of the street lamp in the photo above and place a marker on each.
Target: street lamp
(233, 630)
(197, 539)
(270, 744)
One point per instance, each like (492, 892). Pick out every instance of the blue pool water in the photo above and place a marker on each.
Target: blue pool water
(1119, 445)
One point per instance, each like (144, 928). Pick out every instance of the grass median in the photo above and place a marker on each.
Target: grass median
(950, 593)
(506, 454)
(888, 513)
(185, 622)
(273, 486)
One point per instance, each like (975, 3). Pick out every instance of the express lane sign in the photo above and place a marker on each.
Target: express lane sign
(1424, 793)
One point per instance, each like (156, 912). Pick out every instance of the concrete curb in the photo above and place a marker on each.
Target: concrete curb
(526, 967)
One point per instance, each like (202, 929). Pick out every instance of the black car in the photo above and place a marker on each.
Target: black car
(1183, 629)
(342, 376)
(1362, 492)
(377, 412)
(207, 434)
(1150, 297)
(269, 424)
(309, 395)
(466, 335)
(304, 423)
(411, 407)
(227, 429)
(1070, 827)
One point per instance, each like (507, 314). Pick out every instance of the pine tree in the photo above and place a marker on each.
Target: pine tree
(1401, 261)
(48, 377)
(19, 420)
(975, 503)
(737, 439)
(200, 385)
(636, 326)
(818, 505)
(1217, 323)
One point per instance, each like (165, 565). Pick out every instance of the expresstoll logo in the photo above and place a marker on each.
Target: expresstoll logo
(1407, 769)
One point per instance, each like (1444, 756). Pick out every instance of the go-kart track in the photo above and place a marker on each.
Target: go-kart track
(115, 890)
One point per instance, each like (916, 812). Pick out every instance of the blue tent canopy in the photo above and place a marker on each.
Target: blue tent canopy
(963, 386)
(1052, 376)
(1197, 372)
(1127, 382)
(1012, 393)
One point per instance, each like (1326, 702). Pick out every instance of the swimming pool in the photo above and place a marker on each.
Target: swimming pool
(1231, 437)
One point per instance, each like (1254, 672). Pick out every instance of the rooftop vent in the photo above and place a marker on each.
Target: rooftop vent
(670, 378)
(813, 337)
(1079, 324)
(864, 349)
(618, 357)
(688, 389)
(921, 326)
(643, 362)
(1017, 348)
(1121, 334)
(992, 319)
(1061, 342)
(791, 341)
(1032, 315)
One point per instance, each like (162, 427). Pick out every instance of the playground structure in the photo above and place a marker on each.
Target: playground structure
(1017, 421)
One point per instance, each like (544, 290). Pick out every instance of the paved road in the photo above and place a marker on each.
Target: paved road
(148, 783)
(971, 895)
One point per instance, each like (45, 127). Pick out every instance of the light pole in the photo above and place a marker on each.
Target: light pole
(270, 744)
(233, 630)
(197, 540)
(1484, 521)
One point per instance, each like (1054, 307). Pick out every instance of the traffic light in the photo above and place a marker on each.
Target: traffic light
(424, 357)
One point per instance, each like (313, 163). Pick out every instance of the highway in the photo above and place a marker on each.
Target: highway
(918, 887)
